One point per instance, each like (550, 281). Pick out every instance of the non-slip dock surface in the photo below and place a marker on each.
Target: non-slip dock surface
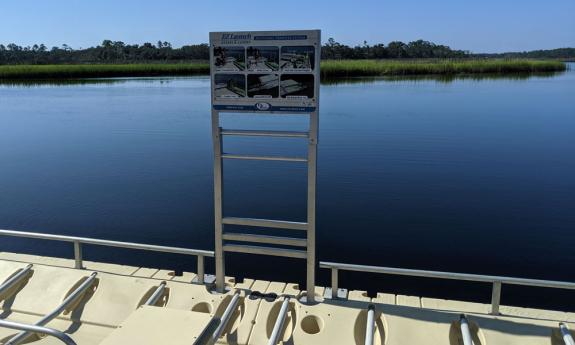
(114, 311)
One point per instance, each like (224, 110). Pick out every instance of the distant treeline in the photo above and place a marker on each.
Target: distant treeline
(120, 52)
(560, 53)
(107, 52)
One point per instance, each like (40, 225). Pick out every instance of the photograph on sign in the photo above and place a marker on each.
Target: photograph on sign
(297, 86)
(263, 85)
(229, 59)
(230, 85)
(263, 59)
(265, 71)
(297, 58)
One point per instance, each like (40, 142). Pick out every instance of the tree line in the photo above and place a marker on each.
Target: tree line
(108, 52)
(120, 52)
(560, 53)
(419, 49)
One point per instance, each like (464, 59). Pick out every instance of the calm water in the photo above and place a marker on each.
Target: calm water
(471, 176)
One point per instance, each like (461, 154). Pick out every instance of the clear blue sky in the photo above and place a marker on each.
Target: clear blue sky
(479, 26)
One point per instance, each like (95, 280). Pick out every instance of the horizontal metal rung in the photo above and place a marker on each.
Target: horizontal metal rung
(265, 223)
(296, 242)
(261, 133)
(290, 253)
(264, 158)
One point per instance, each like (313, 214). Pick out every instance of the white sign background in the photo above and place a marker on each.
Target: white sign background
(265, 71)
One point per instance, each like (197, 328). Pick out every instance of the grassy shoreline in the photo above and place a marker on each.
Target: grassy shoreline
(373, 68)
(329, 69)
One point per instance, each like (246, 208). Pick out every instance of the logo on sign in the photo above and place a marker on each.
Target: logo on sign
(231, 38)
(263, 106)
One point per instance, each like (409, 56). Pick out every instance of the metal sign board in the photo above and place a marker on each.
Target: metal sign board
(265, 71)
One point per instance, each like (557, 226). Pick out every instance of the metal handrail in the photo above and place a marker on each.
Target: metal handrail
(496, 281)
(63, 337)
(78, 241)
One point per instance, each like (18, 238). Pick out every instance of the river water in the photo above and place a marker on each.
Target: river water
(466, 175)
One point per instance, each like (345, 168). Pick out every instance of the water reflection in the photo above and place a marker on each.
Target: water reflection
(446, 78)
(329, 81)
(83, 81)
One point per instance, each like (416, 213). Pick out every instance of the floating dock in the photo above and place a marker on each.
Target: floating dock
(84, 303)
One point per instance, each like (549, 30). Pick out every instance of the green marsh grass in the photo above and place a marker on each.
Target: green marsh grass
(100, 71)
(329, 69)
(374, 68)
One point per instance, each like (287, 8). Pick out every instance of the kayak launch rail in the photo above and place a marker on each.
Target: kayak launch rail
(73, 297)
(279, 324)
(226, 317)
(465, 333)
(63, 337)
(158, 293)
(370, 325)
(566, 334)
(16, 278)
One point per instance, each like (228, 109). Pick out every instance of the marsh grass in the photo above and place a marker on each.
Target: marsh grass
(100, 71)
(329, 69)
(374, 68)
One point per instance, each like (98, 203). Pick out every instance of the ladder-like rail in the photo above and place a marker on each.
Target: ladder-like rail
(226, 242)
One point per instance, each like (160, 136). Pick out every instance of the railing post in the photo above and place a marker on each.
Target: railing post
(78, 255)
(334, 282)
(495, 298)
(201, 269)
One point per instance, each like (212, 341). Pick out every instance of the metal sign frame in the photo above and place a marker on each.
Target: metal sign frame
(290, 72)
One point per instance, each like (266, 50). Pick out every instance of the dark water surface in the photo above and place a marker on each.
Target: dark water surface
(472, 176)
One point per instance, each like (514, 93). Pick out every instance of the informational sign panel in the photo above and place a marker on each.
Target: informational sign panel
(265, 71)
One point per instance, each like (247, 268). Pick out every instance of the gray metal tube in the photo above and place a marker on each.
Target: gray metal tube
(279, 322)
(495, 298)
(201, 269)
(567, 338)
(264, 133)
(311, 197)
(450, 275)
(15, 279)
(265, 223)
(334, 282)
(63, 337)
(18, 338)
(156, 295)
(78, 255)
(272, 251)
(218, 201)
(230, 309)
(264, 158)
(370, 326)
(465, 333)
(107, 243)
